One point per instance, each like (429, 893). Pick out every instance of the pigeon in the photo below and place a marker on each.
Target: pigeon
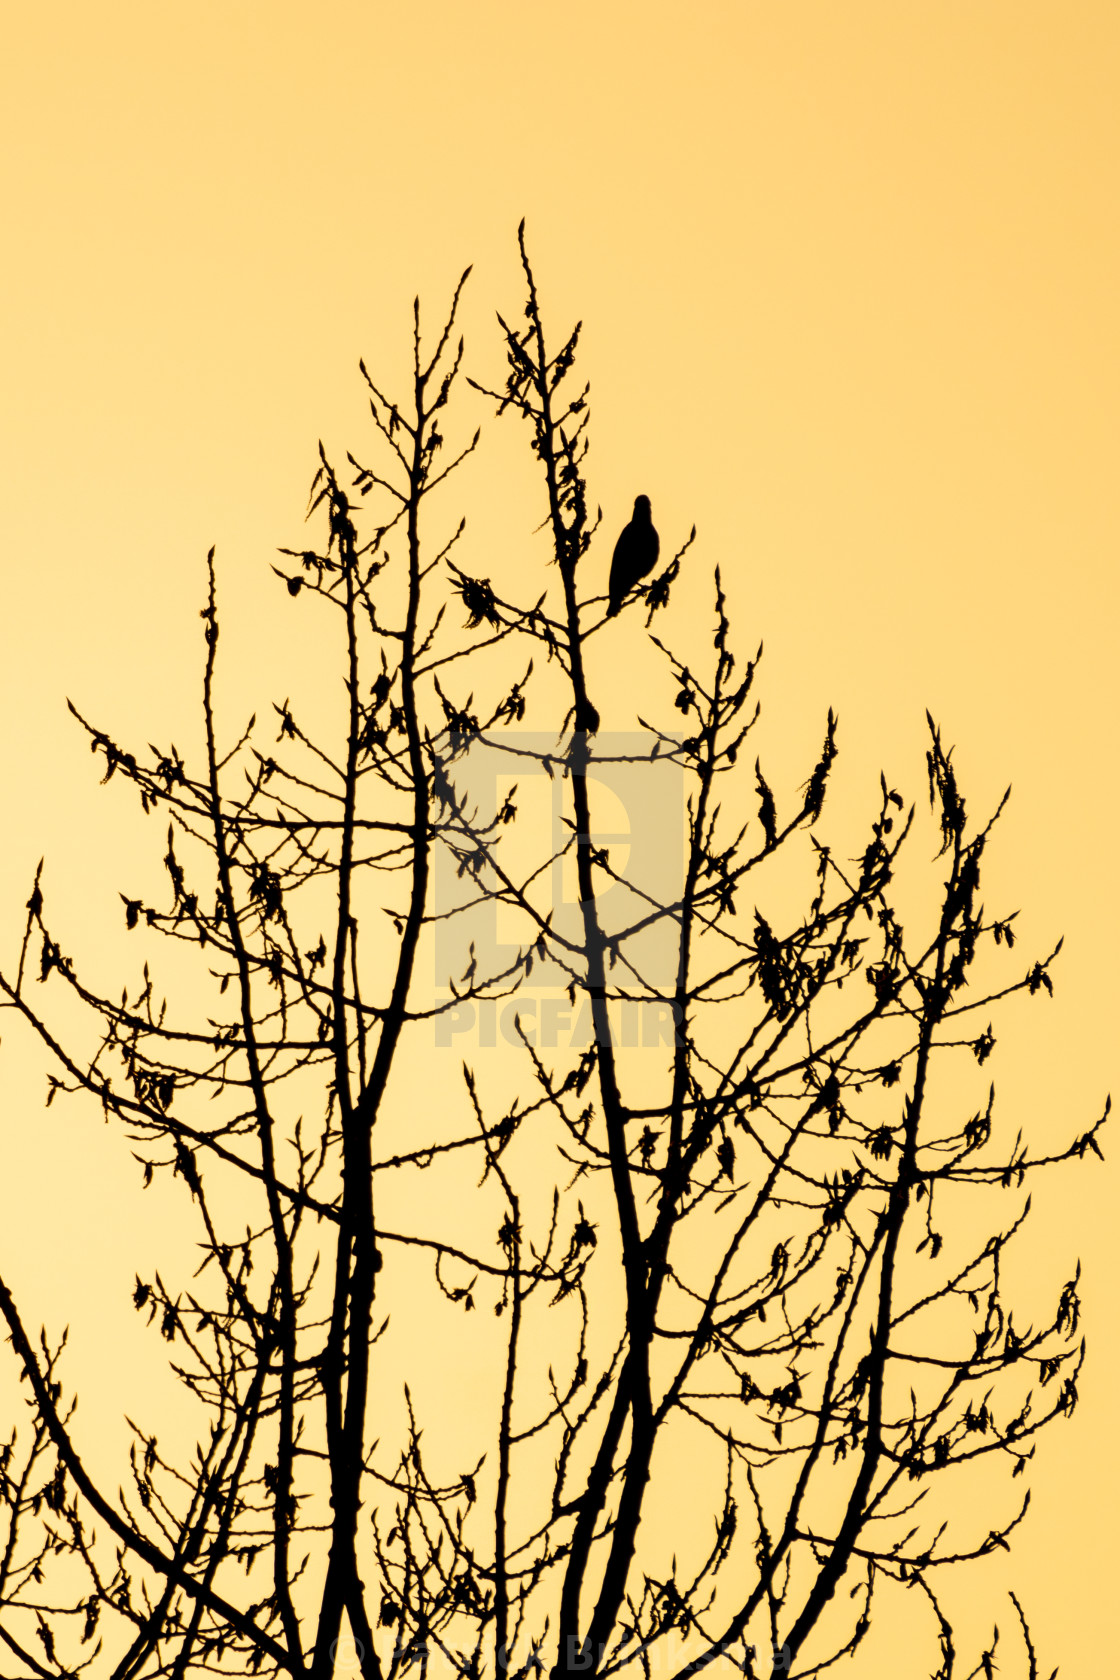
(635, 554)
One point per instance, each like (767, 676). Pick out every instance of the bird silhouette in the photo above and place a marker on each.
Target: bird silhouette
(635, 554)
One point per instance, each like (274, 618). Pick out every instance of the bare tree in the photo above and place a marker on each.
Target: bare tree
(760, 1264)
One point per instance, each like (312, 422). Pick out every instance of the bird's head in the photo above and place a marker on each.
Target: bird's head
(642, 508)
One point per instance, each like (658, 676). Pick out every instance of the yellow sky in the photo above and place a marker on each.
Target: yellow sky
(849, 276)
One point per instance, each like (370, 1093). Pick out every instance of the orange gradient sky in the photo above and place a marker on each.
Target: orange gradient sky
(849, 274)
